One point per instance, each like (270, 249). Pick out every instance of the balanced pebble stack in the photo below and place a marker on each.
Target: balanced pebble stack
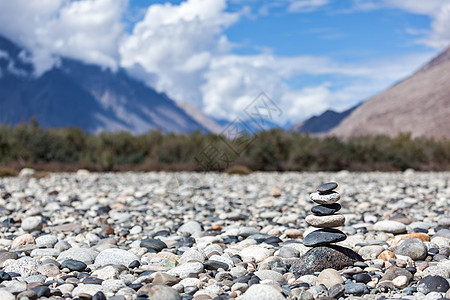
(325, 217)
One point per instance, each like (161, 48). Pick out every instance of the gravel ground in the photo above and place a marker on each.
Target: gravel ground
(216, 236)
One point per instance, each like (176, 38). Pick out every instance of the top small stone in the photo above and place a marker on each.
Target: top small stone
(327, 187)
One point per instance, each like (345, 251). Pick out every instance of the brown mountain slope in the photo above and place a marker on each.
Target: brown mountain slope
(420, 104)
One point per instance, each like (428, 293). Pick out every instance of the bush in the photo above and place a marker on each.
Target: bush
(238, 170)
(8, 172)
(68, 149)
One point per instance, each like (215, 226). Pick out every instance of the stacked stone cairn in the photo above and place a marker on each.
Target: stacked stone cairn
(325, 217)
(324, 254)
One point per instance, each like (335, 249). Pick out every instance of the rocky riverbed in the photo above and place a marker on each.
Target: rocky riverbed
(217, 236)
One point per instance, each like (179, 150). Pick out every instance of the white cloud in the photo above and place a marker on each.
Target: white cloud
(438, 10)
(88, 30)
(182, 50)
(175, 43)
(306, 5)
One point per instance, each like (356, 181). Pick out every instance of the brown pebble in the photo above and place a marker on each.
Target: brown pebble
(72, 280)
(419, 235)
(386, 255)
(423, 265)
(233, 294)
(33, 285)
(216, 227)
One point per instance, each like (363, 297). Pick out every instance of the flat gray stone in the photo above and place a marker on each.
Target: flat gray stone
(82, 254)
(115, 257)
(326, 221)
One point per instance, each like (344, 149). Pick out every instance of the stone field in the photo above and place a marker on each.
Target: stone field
(216, 236)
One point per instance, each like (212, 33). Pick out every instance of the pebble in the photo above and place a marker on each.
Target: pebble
(325, 210)
(6, 295)
(115, 257)
(325, 221)
(431, 283)
(24, 239)
(356, 288)
(413, 248)
(262, 292)
(85, 255)
(324, 237)
(32, 223)
(390, 226)
(328, 198)
(321, 258)
(46, 240)
(329, 277)
(190, 227)
(327, 187)
(74, 265)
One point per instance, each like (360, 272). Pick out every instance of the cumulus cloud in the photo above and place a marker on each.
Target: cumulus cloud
(182, 50)
(438, 10)
(88, 30)
(175, 43)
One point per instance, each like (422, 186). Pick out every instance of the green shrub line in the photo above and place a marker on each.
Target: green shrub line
(69, 149)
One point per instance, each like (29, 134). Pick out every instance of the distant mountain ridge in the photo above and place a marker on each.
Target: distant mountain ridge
(323, 122)
(85, 96)
(419, 104)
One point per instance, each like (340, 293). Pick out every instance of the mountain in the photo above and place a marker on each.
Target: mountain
(85, 96)
(322, 123)
(419, 104)
(201, 118)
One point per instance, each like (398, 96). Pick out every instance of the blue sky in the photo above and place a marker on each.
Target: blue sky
(307, 55)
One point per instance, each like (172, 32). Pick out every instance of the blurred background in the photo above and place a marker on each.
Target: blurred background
(115, 85)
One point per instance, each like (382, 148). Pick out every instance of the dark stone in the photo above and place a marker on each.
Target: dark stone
(420, 230)
(299, 285)
(99, 296)
(103, 210)
(433, 251)
(253, 280)
(412, 270)
(214, 265)
(145, 273)
(163, 233)
(74, 265)
(321, 258)
(134, 264)
(4, 276)
(409, 290)
(42, 291)
(135, 286)
(273, 240)
(184, 242)
(326, 187)
(394, 272)
(243, 279)
(360, 264)
(336, 291)
(92, 280)
(323, 237)
(155, 244)
(356, 289)
(362, 277)
(433, 284)
(259, 237)
(325, 209)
